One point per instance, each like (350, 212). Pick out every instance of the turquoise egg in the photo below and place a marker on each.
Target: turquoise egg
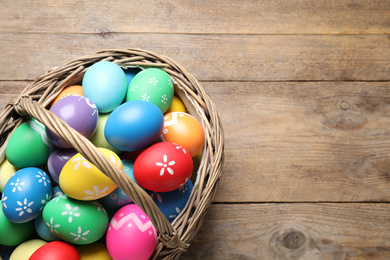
(105, 84)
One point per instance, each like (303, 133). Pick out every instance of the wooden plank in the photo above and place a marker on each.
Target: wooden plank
(298, 141)
(213, 57)
(294, 231)
(304, 141)
(205, 17)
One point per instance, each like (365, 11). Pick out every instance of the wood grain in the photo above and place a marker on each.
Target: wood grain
(304, 141)
(303, 92)
(294, 231)
(200, 17)
(213, 57)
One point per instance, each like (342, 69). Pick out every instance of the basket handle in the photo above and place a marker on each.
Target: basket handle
(27, 106)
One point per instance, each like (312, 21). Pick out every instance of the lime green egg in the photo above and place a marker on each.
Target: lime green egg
(28, 145)
(153, 85)
(74, 221)
(98, 138)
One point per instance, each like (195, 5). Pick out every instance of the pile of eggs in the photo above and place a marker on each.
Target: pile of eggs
(55, 204)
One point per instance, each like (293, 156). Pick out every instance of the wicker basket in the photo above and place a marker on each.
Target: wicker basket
(174, 238)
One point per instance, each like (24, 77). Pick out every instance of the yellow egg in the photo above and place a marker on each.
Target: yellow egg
(196, 161)
(82, 180)
(177, 106)
(6, 171)
(26, 249)
(98, 138)
(94, 251)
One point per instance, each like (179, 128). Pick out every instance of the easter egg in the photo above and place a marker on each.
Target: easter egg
(130, 73)
(82, 180)
(105, 84)
(28, 145)
(12, 234)
(25, 194)
(57, 250)
(173, 202)
(42, 230)
(79, 112)
(75, 90)
(183, 129)
(163, 167)
(98, 138)
(134, 125)
(153, 85)
(26, 249)
(74, 221)
(118, 198)
(57, 159)
(6, 171)
(177, 106)
(94, 251)
(131, 233)
(56, 191)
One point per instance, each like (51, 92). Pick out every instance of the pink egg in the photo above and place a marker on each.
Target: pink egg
(131, 233)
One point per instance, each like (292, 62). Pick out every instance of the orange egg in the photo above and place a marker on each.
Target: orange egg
(183, 129)
(69, 91)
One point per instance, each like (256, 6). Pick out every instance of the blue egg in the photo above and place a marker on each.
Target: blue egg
(25, 194)
(134, 125)
(130, 73)
(105, 84)
(56, 191)
(118, 198)
(173, 202)
(42, 230)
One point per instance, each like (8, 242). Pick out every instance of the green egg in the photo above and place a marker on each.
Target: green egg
(98, 138)
(28, 145)
(74, 221)
(12, 234)
(153, 85)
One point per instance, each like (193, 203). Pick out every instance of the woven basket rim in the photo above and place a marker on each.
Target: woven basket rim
(34, 100)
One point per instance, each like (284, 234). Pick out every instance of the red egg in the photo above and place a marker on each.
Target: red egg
(56, 250)
(163, 167)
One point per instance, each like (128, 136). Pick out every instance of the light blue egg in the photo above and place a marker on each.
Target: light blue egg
(105, 84)
(134, 125)
(130, 73)
(25, 194)
(173, 202)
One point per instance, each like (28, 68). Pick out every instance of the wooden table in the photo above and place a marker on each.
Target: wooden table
(303, 91)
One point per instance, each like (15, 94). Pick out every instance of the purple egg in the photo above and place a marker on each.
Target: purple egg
(57, 160)
(79, 112)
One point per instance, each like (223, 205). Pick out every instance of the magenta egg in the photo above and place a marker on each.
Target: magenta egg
(79, 112)
(131, 233)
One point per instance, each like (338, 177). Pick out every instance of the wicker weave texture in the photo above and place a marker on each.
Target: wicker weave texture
(174, 238)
